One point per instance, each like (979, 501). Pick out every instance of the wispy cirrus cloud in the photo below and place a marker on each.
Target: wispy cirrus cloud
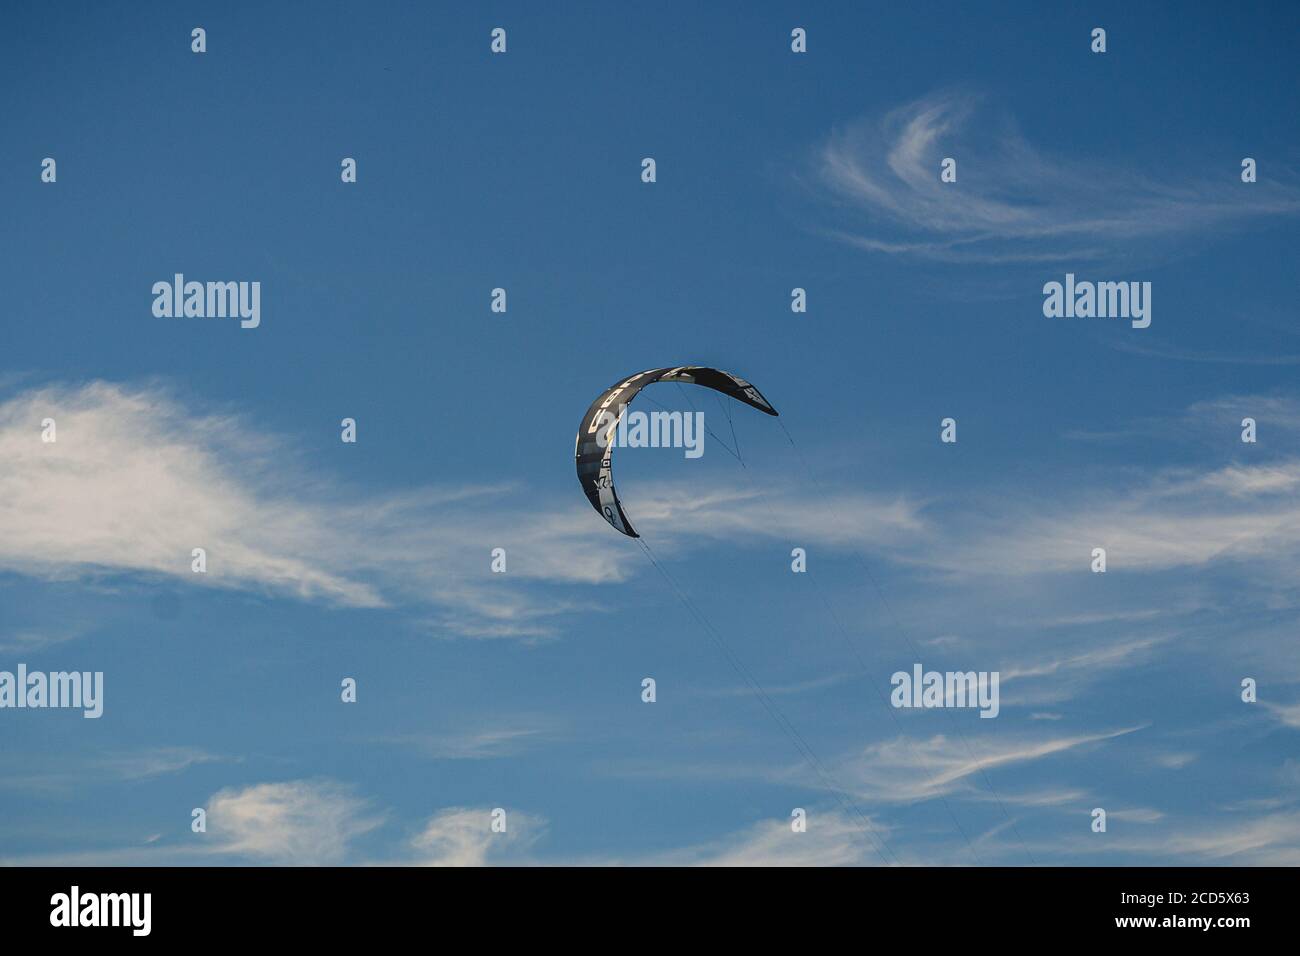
(62, 773)
(1174, 518)
(316, 822)
(1088, 661)
(136, 480)
(320, 822)
(1265, 839)
(833, 838)
(27, 641)
(785, 690)
(1271, 840)
(834, 517)
(494, 741)
(1012, 202)
(900, 770)
(1287, 714)
(1207, 422)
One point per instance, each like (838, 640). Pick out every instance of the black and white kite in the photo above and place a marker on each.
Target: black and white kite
(594, 448)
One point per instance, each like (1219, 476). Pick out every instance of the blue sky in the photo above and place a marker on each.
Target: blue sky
(522, 691)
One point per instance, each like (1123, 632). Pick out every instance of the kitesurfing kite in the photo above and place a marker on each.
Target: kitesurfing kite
(593, 449)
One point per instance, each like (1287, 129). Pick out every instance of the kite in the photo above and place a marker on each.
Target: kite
(593, 449)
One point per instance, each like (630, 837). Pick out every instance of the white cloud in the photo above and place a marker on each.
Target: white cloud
(1136, 815)
(786, 690)
(23, 642)
(59, 773)
(314, 823)
(1059, 797)
(318, 822)
(1287, 714)
(154, 762)
(297, 823)
(1167, 520)
(1038, 208)
(1267, 840)
(901, 770)
(462, 836)
(133, 483)
(1113, 655)
(1245, 482)
(827, 518)
(491, 742)
(833, 838)
(136, 480)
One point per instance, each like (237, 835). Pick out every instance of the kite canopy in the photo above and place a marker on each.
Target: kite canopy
(594, 449)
